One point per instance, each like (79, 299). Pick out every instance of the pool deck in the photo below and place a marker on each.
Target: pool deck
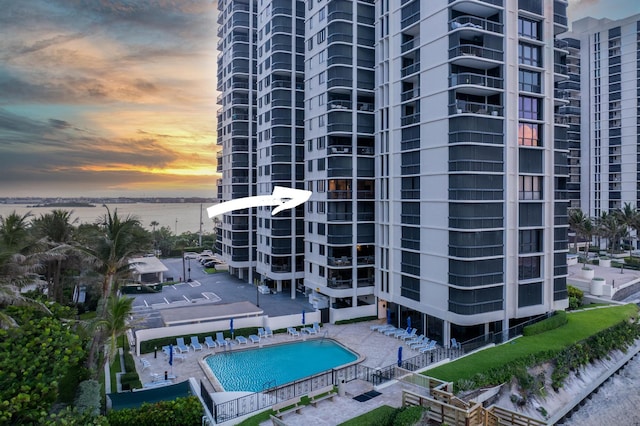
(377, 349)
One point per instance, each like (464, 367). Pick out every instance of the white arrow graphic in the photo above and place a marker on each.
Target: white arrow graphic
(284, 198)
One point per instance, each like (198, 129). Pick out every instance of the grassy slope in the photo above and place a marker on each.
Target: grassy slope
(580, 325)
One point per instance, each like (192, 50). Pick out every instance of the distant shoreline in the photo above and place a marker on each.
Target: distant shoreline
(94, 202)
(62, 204)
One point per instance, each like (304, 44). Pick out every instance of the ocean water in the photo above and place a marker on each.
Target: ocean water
(179, 217)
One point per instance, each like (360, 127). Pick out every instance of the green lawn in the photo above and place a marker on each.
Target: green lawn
(580, 325)
(373, 417)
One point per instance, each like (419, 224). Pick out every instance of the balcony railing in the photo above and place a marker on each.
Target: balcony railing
(473, 22)
(476, 51)
(477, 79)
(463, 107)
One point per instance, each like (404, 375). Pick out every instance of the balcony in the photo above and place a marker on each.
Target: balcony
(339, 104)
(409, 44)
(340, 261)
(476, 84)
(472, 24)
(409, 94)
(339, 150)
(474, 56)
(466, 107)
(410, 69)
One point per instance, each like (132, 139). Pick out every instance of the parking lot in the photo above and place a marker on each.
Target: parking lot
(208, 288)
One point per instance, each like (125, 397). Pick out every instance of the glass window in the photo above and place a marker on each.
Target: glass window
(530, 187)
(529, 28)
(529, 55)
(529, 134)
(529, 267)
(530, 241)
(529, 81)
(529, 108)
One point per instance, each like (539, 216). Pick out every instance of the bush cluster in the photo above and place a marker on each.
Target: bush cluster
(179, 412)
(575, 297)
(557, 320)
(596, 347)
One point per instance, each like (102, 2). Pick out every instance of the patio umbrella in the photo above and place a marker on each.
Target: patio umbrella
(303, 317)
(231, 328)
(399, 356)
(388, 316)
(408, 323)
(171, 357)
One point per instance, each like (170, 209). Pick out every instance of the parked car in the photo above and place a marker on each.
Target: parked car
(205, 259)
(211, 264)
(190, 255)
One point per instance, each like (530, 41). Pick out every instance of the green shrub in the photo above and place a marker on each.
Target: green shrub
(408, 416)
(575, 292)
(355, 320)
(557, 320)
(88, 398)
(129, 362)
(179, 412)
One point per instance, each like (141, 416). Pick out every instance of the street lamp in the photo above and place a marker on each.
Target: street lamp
(184, 275)
(189, 270)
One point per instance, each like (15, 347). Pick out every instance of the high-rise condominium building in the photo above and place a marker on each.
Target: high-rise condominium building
(471, 164)
(236, 78)
(432, 147)
(610, 85)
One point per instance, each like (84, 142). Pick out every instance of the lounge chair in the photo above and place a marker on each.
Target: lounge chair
(254, 338)
(181, 346)
(316, 327)
(455, 344)
(195, 343)
(261, 332)
(386, 327)
(422, 343)
(145, 363)
(292, 331)
(209, 342)
(409, 335)
(309, 330)
(220, 339)
(400, 332)
(377, 327)
(414, 340)
(392, 331)
(242, 340)
(268, 332)
(431, 346)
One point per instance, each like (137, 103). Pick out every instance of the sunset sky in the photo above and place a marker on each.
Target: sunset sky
(118, 97)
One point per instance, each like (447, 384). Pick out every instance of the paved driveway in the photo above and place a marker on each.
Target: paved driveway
(209, 288)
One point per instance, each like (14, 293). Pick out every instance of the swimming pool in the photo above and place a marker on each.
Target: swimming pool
(249, 370)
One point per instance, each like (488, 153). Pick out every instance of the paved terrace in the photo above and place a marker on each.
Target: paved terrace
(377, 349)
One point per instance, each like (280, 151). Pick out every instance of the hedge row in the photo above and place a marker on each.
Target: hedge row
(557, 320)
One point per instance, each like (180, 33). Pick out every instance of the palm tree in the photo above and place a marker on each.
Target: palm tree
(628, 217)
(17, 264)
(57, 229)
(114, 324)
(117, 244)
(577, 219)
(153, 224)
(611, 229)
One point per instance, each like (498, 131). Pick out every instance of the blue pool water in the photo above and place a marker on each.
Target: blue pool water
(249, 370)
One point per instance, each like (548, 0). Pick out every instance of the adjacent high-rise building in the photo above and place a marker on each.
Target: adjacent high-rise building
(609, 57)
(432, 137)
(236, 79)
